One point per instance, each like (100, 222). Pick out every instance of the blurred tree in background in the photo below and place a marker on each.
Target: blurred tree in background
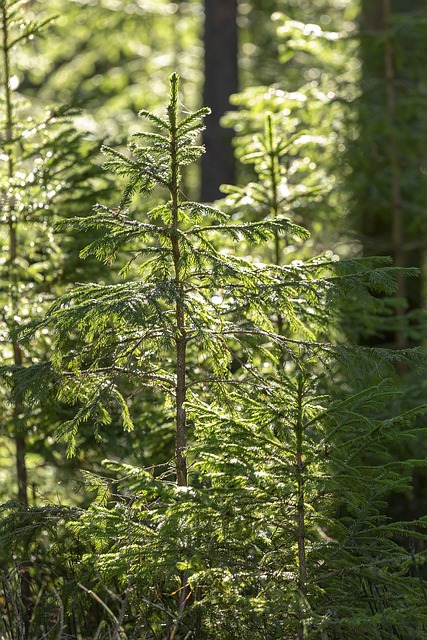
(388, 176)
(220, 82)
(390, 132)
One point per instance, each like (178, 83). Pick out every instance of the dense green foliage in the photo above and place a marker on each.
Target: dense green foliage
(199, 375)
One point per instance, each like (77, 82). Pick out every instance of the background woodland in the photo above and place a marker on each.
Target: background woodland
(212, 320)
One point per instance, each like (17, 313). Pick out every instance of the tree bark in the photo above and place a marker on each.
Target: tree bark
(221, 80)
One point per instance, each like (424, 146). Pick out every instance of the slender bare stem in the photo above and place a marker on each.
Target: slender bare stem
(20, 443)
(17, 411)
(181, 338)
(274, 204)
(300, 475)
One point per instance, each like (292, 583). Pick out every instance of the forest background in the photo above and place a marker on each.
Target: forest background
(342, 155)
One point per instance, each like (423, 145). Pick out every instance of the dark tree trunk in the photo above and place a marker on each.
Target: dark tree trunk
(221, 80)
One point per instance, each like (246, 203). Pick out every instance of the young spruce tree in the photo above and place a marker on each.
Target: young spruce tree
(309, 464)
(170, 331)
(268, 522)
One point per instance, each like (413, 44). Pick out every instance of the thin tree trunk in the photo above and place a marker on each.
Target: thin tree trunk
(300, 472)
(17, 411)
(13, 255)
(274, 205)
(180, 348)
(181, 338)
(221, 80)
